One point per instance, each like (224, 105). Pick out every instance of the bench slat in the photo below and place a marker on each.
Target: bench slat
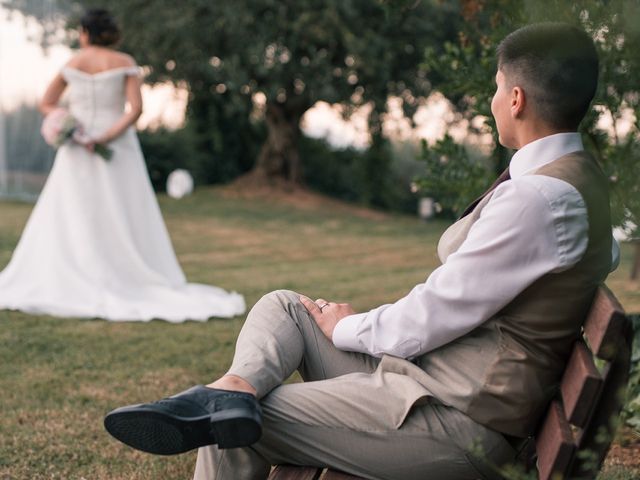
(554, 443)
(581, 385)
(597, 435)
(605, 324)
(290, 472)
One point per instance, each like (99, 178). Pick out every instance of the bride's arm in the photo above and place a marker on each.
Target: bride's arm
(52, 95)
(134, 99)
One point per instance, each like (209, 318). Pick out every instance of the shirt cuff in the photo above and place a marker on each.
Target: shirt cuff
(345, 333)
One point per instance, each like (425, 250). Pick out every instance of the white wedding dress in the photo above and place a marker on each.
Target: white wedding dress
(95, 244)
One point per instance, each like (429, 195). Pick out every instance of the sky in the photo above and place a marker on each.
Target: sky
(23, 67)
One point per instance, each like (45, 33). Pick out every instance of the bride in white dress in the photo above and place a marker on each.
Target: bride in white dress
(95, 244)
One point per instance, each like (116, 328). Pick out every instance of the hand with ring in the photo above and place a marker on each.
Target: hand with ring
(326, 314)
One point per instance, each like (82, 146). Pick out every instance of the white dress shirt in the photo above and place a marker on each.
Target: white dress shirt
(531, 226)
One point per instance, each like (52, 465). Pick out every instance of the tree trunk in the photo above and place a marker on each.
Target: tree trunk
(635, 269)
(279, 158)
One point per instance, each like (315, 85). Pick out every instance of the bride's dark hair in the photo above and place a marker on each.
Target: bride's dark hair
(101, 27)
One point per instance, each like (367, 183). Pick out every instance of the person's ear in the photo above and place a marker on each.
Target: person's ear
(518, 101)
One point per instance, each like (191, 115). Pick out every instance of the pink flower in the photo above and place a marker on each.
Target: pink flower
(58, 126)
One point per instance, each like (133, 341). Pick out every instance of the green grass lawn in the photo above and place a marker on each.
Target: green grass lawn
(58, 377)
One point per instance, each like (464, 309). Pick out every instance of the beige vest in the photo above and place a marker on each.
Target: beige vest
(504, 373)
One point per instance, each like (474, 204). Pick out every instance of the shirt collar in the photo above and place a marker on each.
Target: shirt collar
(543, 151)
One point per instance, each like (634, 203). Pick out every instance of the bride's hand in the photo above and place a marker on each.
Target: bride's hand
(85, 140)
(103, 140)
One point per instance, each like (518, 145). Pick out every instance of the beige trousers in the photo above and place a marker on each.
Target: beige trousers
(356, 413)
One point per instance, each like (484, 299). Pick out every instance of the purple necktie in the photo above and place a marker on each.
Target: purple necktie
(504, 176)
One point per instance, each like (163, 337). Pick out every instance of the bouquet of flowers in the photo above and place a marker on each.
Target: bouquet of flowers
(59, 126)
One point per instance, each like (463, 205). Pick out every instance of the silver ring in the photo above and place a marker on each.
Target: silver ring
(322, 306)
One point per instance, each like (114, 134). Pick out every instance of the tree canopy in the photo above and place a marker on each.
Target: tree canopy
(289, 54)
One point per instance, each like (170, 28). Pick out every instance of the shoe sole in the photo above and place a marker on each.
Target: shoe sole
(165, 434)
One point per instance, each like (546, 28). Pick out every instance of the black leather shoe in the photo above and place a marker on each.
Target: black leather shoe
(194, 418)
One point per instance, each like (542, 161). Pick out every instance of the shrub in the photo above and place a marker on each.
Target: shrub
(453, 177)
(165, 150)
(369, 177)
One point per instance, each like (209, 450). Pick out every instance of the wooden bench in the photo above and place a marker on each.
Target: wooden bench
(580, 423)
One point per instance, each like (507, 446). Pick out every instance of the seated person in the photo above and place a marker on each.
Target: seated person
(469, 358)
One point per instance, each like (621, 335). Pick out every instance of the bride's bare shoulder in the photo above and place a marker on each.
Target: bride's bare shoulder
(121, 59)
(104, 59)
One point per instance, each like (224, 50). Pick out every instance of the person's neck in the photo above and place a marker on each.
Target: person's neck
(91, 46)
(531, 133)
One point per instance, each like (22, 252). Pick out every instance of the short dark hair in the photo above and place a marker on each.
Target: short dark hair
(557, 66)
(101, 27)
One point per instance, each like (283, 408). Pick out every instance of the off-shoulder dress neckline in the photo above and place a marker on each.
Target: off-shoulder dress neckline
(132, 68)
